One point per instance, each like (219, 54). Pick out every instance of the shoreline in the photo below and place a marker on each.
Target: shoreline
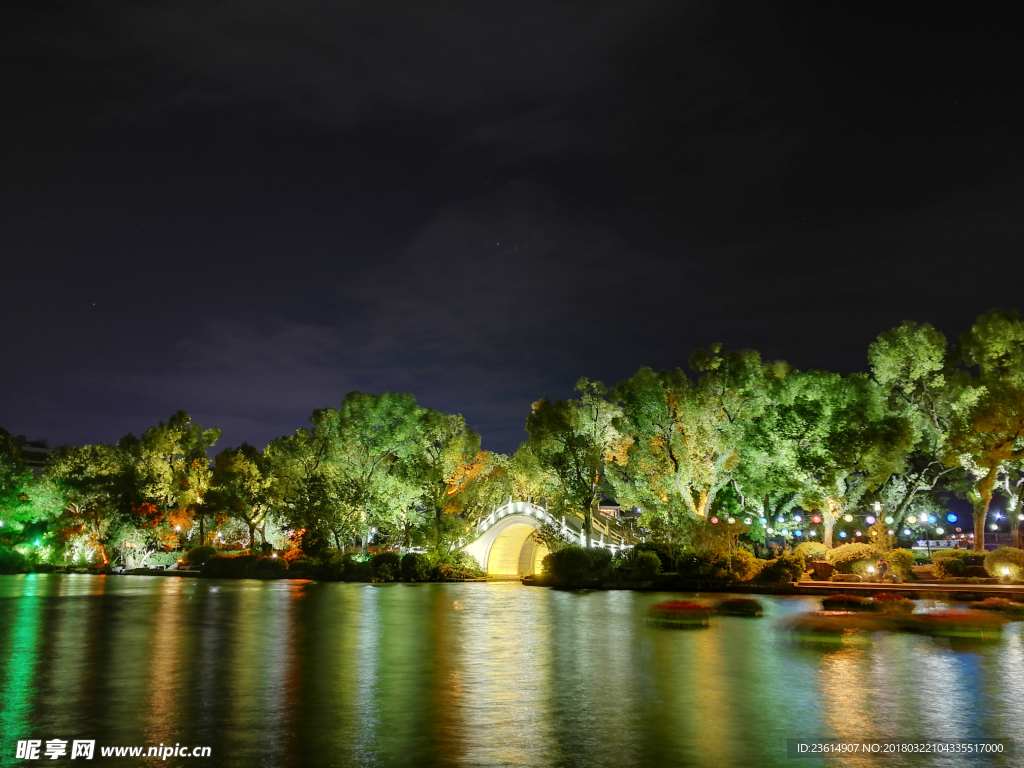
(930, 590)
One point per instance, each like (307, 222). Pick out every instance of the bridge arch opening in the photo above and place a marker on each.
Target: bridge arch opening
(516, 552)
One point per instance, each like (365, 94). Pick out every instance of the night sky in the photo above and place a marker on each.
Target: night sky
(247, 209)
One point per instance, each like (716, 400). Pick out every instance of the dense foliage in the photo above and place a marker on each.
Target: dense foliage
(736, 454)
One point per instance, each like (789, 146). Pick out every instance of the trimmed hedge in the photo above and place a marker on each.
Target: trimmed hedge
(1005, 557)
(953, 563)
(200, 555)
(854, 558)
(811, 550)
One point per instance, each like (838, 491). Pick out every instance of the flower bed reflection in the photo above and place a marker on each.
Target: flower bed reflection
(679, 613)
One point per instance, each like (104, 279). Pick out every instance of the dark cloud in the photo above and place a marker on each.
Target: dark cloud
(248, 209)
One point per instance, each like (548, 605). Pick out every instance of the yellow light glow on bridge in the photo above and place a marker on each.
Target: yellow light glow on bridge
(515, 553)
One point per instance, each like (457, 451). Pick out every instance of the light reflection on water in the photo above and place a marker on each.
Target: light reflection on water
(296, 673)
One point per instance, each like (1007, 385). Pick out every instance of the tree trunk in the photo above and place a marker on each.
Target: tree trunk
(826, 531)
(985, 488)
(588, 523)
(252, 537)
(202, 530)
(980, 516)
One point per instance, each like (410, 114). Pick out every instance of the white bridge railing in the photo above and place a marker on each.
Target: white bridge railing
(541, 514)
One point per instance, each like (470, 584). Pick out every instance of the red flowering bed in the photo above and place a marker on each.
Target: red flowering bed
(970, 625)
(836, 626)
(888, 602)
(1009, 608)
(680, 613)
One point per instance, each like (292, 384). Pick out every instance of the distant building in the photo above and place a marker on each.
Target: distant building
(35, 453)
(997, 539)
(609, 508)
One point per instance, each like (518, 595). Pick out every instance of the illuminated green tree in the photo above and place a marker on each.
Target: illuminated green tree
(844, 440)
(312, 481)
(172, 469)
(987, 438)
(378, 437)
(572, 440)
(447, 463)
(912, 365)
(98, 484)
(244, 485)
(684, 442)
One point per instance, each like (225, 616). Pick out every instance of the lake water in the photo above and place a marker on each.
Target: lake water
(295, 673)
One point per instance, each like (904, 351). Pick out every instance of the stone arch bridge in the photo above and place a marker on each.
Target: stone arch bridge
(507, 546)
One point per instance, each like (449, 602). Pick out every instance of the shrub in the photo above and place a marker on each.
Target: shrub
(658, 548)
(703, 564)
(1009, 558)
(572, 563)
(271, 565)
(199, 555)
(356, 570)
(12, 561)
(811, 550)
(302, 564)
(782, 569)
(953, 563)
(415, 567)
(161, 559)
(949, 564)
(922, 558)
(646, 566)
(600, 558)
(848, 603)
(465, 561)
(385, 566)
(230, 566)
(854, 558)
(901, 562)
(745, 566)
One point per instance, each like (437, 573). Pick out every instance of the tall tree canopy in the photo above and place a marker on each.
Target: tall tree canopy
(572, 439)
